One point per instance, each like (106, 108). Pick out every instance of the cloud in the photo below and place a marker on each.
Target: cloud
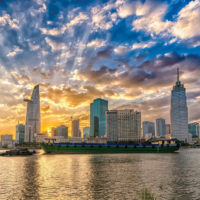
(101, 19)
(22, 77)
(150, 18)
(55, 45)
(15, 51)
(33, 46)
(187, 25)
(54, 31)
(40, 2)
(78, 19)
(45, 108)
(127, 9)
(43, 8)
(96, 43)
(121, 50)
(5, 19)
(143, 45)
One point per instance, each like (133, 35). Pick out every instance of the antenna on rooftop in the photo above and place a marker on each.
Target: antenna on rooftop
(177, 74)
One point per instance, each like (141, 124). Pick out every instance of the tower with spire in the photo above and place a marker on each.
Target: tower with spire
(179, 111)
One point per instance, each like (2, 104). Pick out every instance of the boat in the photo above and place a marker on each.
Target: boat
(156, 146)
(17, 152)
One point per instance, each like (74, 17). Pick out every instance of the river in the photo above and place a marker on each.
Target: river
(103, 176)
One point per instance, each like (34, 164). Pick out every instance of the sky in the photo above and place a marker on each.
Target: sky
(126, 52)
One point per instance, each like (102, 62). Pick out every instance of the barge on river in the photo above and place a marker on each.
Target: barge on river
(156, 146)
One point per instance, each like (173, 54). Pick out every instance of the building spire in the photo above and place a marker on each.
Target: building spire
(177, 74)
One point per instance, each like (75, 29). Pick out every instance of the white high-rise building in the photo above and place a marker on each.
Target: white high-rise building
(29, 137)
(33, 110)
(160, 127)
(75, 128)
(179, 112)
(148, 127)
(123, 125)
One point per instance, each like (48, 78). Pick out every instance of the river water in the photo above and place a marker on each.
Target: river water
(105, 176)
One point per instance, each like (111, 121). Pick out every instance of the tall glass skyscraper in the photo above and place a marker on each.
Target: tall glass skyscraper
(98, 117)
(179, 111)
(33, 110)
(193, 128)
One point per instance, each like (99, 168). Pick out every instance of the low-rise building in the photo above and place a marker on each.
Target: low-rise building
(168, 136)
(195, 139)
(148, 136)
(7, 140)
(40, 137)
(97, 140)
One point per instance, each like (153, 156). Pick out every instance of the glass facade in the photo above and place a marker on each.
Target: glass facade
(160, 127)
(98, 117)
(179, 112)
(148, 127)
(20, 133)
(193, 128)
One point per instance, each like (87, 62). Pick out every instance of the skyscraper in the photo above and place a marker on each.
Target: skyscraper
(148, 127)
(75, 128)
(98, 117)
(160, 127)
(33, 110)
(167, 129)
(179, 111)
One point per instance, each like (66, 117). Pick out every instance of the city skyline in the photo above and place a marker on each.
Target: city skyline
(92, 50)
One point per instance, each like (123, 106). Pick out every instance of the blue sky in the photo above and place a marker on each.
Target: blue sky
(124, 51)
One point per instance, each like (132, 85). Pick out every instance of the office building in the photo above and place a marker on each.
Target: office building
(28, 136)
(20, 133)
(53, 131)
(123, 125)
(111, 126)
(167, 129)
(148, 127)
(160, 127)
(7, 140)
(75, 128)
(33, 110)
(193, 128)
(179, 112)
(98, 117)
(62, 131)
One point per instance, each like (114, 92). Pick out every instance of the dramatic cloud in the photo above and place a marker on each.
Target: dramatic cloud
(124, 51)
